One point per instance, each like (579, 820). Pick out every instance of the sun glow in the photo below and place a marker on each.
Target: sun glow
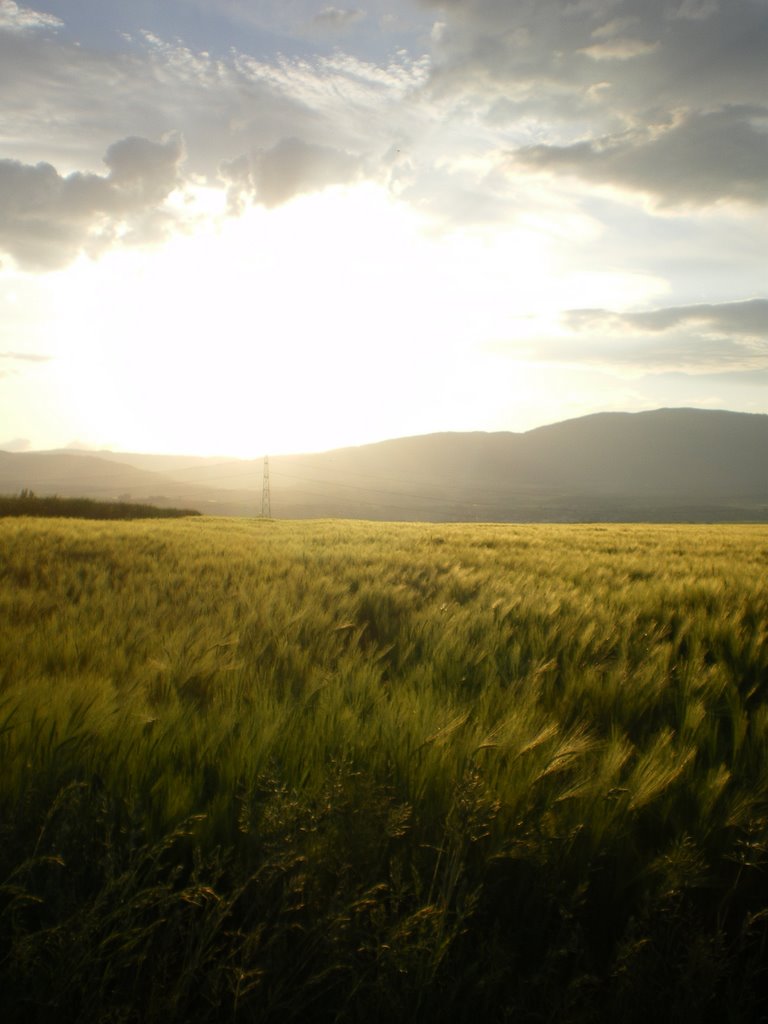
(336, 319)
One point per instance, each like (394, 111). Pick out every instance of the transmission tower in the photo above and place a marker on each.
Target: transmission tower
(266, 510)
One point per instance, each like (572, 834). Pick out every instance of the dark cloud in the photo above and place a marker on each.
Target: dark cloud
(144, 170)
(292, 167)
(700, 158)
(658, 95)
(683, 51)
(728, 337)
(46, 218)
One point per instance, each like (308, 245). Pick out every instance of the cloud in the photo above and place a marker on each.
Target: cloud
(47, 219)
(29, 357)
(699, 339)
(617, 92)
(693, 10)
(748, 319)
(292, 167)
(663, 96)
(14, 18)
(335, 18)
(144, 171)
(10, 358)
(690, 42)
(265, 122)
(620, 48)
(676, 354)
(224, 106)
(697, 158)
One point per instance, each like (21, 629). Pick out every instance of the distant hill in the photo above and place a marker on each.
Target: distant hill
(108, 477)
(666, 465)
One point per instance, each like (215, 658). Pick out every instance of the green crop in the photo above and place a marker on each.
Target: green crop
(340, 771)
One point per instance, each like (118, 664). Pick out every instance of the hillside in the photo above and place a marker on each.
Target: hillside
(670, 464)
(108, 477)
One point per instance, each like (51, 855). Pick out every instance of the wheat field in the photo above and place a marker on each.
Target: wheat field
(345, 771)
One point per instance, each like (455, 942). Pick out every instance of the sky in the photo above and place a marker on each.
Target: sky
(263, 226)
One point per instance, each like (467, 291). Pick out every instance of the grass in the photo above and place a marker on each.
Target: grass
(327, 771)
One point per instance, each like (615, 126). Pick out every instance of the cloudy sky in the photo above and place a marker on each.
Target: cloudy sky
(240, 226)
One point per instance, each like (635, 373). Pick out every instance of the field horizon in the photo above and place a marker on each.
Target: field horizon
(666, 465)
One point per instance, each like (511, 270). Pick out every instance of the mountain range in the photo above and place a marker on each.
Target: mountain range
(667, 465)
